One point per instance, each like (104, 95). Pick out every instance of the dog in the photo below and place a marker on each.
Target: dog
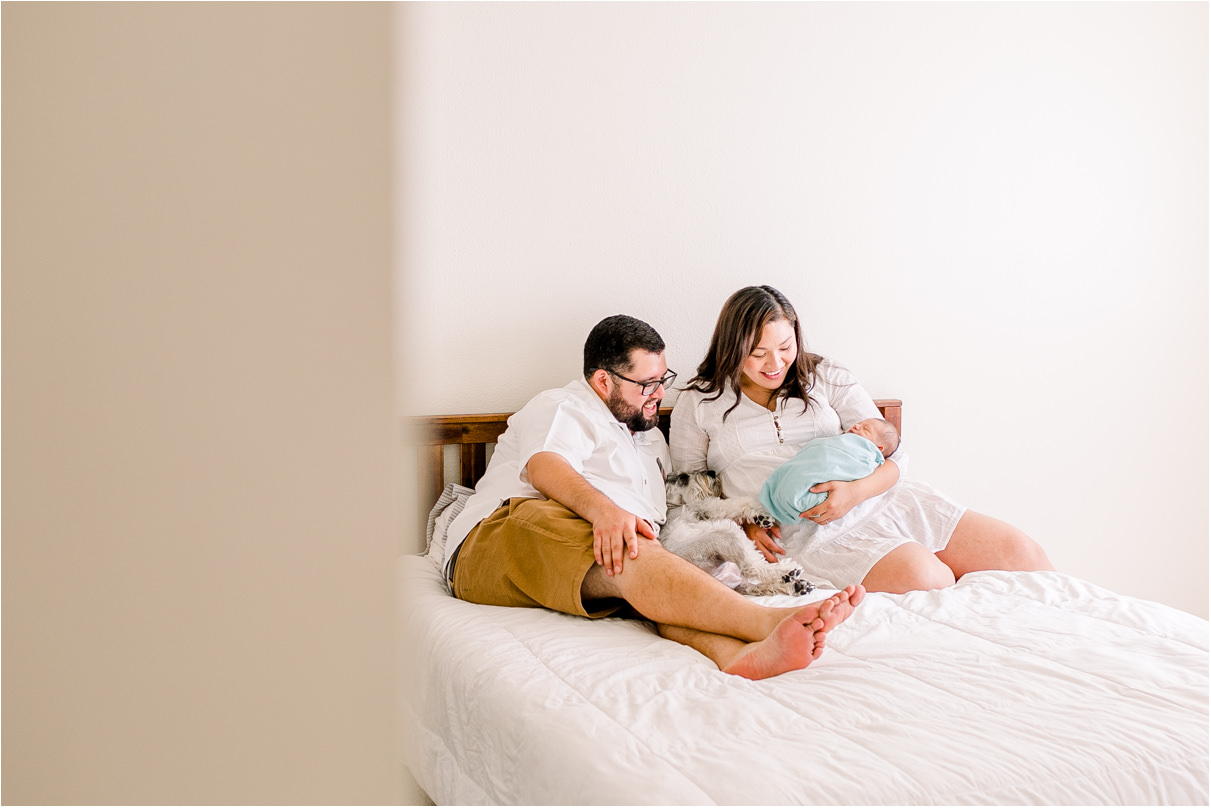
(704, 531)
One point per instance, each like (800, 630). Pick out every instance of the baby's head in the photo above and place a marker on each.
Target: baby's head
(879, 432)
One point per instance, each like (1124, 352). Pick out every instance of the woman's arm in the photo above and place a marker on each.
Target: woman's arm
(843, 497)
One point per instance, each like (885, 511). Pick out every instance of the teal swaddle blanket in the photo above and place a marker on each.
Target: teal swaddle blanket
(844, 457)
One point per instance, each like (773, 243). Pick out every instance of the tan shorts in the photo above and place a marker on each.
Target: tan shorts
(529, 552)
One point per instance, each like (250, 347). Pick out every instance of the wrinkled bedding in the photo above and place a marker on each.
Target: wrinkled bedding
(1008, 688)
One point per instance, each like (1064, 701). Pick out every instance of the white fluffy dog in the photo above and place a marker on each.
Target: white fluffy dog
(704, 531)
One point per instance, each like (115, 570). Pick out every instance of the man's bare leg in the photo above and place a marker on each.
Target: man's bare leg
(792, 645)
(693, 608)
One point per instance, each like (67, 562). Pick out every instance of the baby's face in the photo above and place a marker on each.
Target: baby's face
(870, 430)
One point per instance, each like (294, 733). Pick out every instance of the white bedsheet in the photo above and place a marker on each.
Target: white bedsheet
(1008, 688)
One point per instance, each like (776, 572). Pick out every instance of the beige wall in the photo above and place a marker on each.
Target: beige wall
(198, 521)
(995, 211)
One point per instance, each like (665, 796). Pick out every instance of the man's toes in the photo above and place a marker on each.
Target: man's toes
(828, 604)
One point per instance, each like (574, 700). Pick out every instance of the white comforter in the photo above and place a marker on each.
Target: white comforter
(1009, 688)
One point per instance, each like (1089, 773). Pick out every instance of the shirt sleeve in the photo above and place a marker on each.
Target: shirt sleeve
(554, 425)
(688, 441)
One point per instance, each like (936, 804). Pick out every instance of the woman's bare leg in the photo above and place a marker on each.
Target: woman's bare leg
(981, 542)
(907, 568)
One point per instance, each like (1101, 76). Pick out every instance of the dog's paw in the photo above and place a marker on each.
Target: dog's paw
(781, 578)
(749, 510)
(764, 520)
(797, 582)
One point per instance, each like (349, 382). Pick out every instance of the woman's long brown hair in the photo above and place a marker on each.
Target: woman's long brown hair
(744, 316)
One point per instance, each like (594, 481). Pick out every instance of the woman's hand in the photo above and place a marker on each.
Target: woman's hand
(842, 498)
(766, 540)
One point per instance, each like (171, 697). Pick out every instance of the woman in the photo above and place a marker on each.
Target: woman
(758, 397)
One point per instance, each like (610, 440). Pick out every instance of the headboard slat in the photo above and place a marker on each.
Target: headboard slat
(891, 409)
(472, 461)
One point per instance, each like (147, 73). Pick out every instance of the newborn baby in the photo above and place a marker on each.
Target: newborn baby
(851, 456)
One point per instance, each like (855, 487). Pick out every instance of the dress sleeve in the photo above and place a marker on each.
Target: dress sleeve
(845, 395)
(688, 441)
(900, 458)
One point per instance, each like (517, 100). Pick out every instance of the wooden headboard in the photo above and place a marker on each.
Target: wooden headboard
(474, 433)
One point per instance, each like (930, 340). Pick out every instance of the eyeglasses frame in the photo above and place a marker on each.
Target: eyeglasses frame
(666, 381)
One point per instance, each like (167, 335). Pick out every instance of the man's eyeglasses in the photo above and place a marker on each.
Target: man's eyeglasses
(647, 388)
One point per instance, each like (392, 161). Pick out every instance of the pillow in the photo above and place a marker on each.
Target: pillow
(449, 505)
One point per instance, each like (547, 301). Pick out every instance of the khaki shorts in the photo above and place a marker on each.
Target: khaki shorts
(529, 552)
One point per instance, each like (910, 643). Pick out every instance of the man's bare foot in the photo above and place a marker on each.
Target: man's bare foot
(798, 639)
(843, 603)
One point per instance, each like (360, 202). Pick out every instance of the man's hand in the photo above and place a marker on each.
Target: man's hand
(766, 540)
(615, 531)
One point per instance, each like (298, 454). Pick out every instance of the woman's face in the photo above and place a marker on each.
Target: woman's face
(773, 355)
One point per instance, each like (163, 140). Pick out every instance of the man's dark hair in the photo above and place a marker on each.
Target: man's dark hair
(611, 341)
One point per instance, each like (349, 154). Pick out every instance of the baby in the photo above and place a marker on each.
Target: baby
(850, 456)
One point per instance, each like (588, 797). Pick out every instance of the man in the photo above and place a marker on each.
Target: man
(567, 513)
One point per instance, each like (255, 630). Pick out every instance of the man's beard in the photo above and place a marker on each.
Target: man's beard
(633, 417)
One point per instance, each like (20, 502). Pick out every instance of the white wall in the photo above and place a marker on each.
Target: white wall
(199, 422)
(997, 212)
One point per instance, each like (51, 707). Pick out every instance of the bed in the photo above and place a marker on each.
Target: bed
(1008, 688)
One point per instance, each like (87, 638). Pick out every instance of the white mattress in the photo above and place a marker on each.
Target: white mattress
(1009, 688)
